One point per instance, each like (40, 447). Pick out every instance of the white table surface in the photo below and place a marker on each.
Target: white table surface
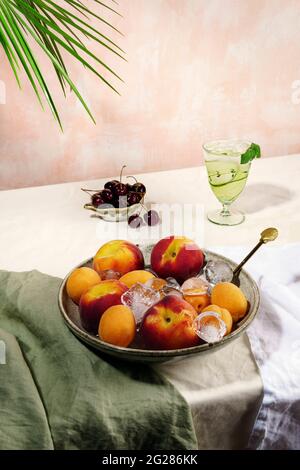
(46, 228)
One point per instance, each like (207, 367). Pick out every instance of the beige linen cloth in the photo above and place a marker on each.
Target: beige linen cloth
(224, 390)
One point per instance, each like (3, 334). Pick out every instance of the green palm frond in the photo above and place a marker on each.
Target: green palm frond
(56, 29)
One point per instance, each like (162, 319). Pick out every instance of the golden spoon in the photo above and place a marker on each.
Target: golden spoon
(268, 235)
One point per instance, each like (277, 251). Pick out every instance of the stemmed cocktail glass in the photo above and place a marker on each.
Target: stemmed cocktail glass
(227, 177)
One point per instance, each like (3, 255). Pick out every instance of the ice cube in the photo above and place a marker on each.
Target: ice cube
(172, 287)
(210, 327)
(109, 274)
(139, 298)
(218, 271)
(166, 290)
(171, 282)
(195, 286)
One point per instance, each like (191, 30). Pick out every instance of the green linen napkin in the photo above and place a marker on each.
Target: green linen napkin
(55, 393)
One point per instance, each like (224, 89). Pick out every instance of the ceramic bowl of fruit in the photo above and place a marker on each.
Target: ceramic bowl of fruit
(117, 201)
(157, 302)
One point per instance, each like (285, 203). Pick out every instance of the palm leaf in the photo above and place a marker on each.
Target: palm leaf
(55, 28)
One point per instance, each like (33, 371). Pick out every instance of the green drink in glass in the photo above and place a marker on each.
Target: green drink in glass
(227, 175)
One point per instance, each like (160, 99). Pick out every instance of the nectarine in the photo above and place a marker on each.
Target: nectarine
(98, 299)
(119, 255)
(176, 257)
(169, 324)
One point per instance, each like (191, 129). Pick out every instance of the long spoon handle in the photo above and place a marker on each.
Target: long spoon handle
(239, 267)
(268, 235)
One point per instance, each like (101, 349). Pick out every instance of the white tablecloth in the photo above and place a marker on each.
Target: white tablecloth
(275, 342)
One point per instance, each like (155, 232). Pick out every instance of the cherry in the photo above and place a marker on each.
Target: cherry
(139, 188)
(97, 200)
(120, 190)
(152, 218)
(135, 221)
(120, 195)
(133, 198)
(111, 185)
(107, 195)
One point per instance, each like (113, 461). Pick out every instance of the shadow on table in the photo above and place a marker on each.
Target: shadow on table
(257, 197)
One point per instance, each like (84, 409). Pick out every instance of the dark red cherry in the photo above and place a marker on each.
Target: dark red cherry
(111, 185)
(139, 188)
(133, 198)
(107, 195)
(135, 221)
(152, 218)
(97, 199)
(129, 187)
(120, 190)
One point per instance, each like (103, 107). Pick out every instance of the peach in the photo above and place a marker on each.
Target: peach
(118, 255)
(224, 314)
(169, 324)
(81, 280)
(229, 296)
(117, 326)
(98, 299)
(176, 257)
(131, 278)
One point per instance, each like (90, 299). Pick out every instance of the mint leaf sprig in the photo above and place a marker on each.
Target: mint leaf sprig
(252, 152)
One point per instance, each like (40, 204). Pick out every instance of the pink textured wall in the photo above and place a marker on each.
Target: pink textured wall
(198, 69)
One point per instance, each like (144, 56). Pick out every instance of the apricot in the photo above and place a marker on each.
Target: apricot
(133, 277)
(157, 283)
(117, 326)
(229, 296)
(80, 281)
(224, 314)
(196, 292)
(199, 302)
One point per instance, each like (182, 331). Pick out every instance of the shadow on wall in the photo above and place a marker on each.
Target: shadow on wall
(257, 197)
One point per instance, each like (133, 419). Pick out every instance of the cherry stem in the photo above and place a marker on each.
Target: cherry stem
(88, 191)
(143, 206)
(121, 174)
(133, 178)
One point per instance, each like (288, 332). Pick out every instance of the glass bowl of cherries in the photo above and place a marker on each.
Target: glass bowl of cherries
(119, 201)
